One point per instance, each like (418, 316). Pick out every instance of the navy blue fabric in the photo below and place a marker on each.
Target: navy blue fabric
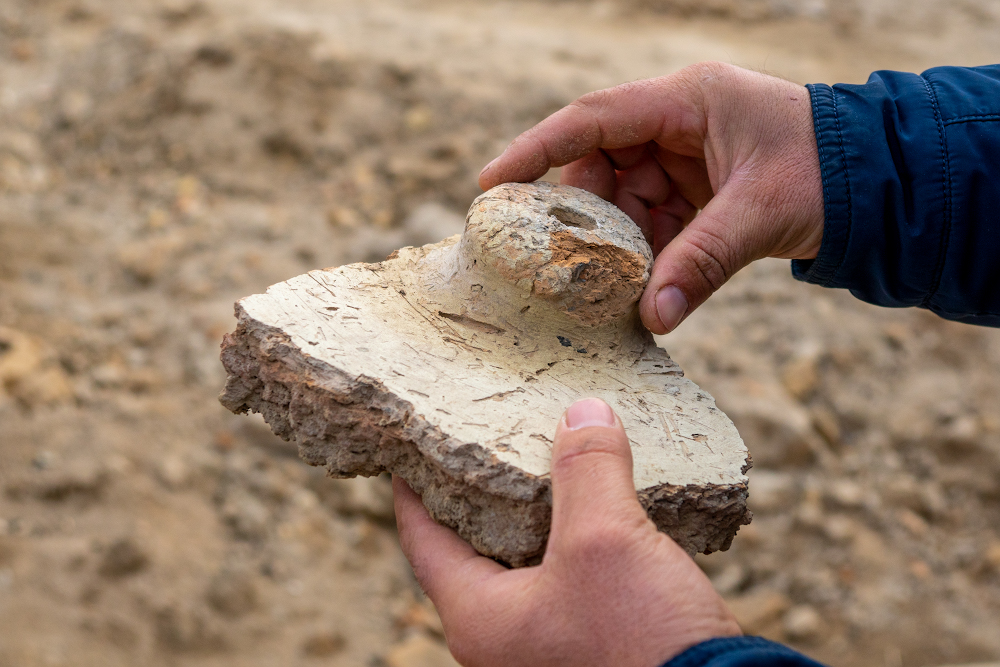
(741, 652)
(911, 187)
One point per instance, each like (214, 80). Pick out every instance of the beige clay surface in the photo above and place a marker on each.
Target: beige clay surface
(450, 365)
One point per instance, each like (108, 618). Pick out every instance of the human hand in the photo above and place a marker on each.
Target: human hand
(611, 589)
(737, 144)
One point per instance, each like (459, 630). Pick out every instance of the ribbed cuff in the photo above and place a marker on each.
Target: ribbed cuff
(837, 211)
(741, 652)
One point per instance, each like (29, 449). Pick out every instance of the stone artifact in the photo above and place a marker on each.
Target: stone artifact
(451, 364)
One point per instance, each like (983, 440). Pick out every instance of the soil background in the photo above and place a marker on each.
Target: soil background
(161, 158)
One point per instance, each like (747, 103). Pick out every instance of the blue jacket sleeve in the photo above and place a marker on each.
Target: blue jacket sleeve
(911, 188)
(740, 652)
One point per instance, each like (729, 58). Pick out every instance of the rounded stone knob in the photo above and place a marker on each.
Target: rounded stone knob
(559, 246)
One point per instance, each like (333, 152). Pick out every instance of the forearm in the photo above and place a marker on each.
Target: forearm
(911, 184)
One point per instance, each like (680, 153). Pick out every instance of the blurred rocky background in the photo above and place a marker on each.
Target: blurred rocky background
(161, 158)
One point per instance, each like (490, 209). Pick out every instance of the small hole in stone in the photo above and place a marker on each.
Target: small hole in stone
(572, 218)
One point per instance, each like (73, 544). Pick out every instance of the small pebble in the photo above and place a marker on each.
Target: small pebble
(802, 623)
(324, 645)
(122, 559)
(232, 594)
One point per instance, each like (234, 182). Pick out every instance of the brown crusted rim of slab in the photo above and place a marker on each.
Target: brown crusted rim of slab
(354, 426)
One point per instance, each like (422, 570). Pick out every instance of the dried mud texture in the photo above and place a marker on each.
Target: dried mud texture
(449, 365)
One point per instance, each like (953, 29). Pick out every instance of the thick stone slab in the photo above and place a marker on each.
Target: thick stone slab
(450, 365)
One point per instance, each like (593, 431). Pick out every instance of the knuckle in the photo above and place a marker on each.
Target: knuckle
(717, 81)
(720, 69)
(634, 86)
(710, 258)
(599, 103)
(600, 100)
(595, 544)
(708, 71)
(597, 99)
(593, 445)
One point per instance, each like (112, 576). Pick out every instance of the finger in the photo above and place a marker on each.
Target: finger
(591, 470)
(700, 259)
(688, 176)
(669, 220)
(667, 109)
(640, 188)
(626, 158)
(445, 565)
(593, 173)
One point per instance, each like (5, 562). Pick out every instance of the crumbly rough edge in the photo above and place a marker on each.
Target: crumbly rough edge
(354, 426)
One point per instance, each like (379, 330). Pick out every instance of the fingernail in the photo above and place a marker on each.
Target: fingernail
(589, 412)
(671, 306)
(489, 166)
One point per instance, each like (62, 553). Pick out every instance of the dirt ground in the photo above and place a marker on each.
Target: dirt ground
(161, 158)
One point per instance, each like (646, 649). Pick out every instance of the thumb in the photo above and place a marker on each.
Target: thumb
(700, 259)
(592, 486)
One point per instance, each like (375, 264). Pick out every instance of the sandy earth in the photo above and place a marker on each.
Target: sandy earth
(159, 160)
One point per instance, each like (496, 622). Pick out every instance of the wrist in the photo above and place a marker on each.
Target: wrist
(700, 626)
